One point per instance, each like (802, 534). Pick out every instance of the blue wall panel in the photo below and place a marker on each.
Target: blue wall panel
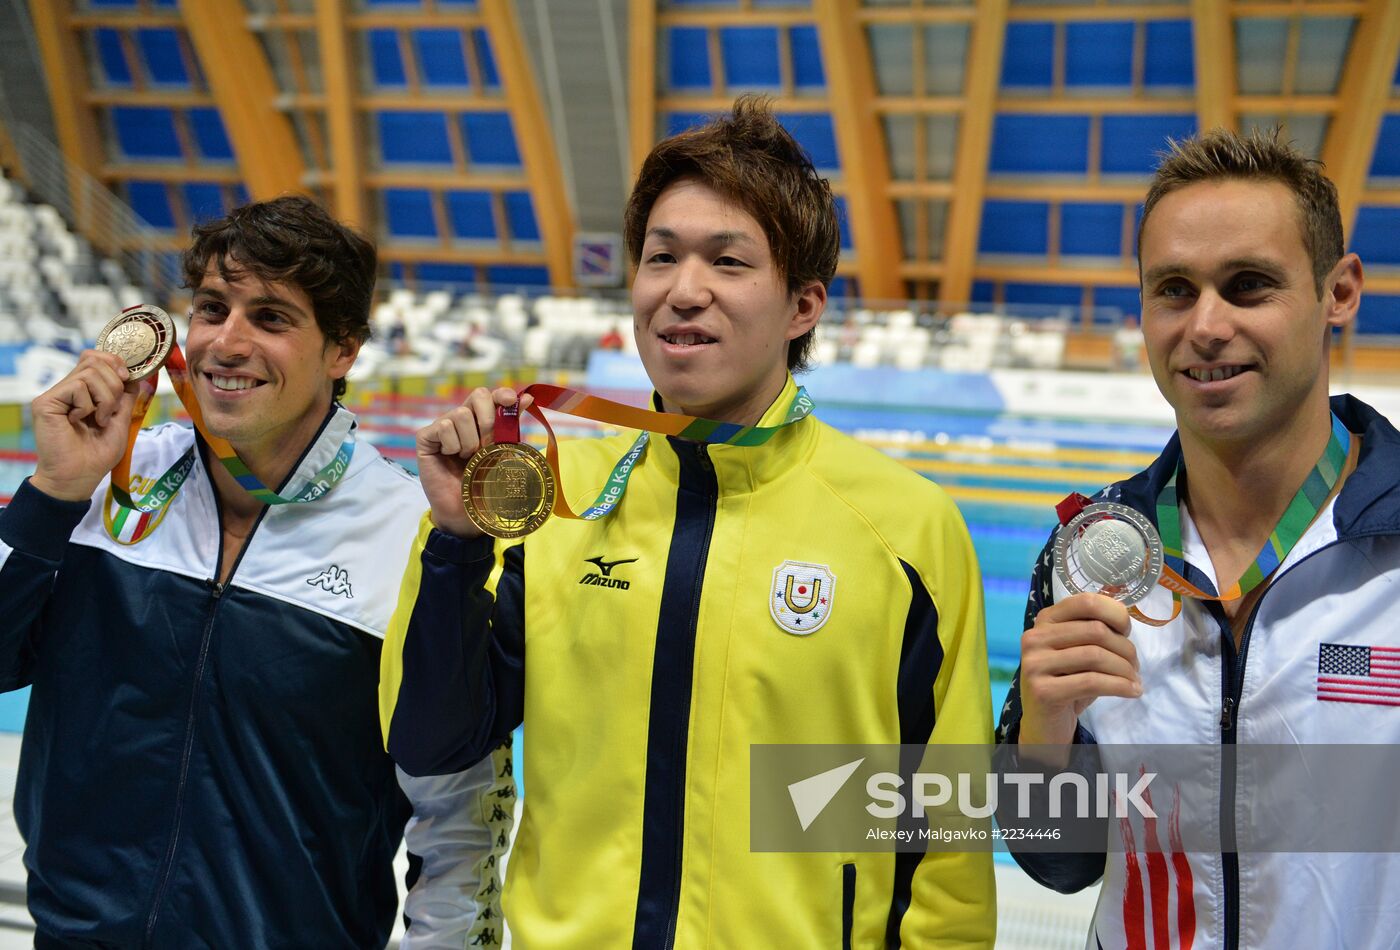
(386, 59)
(505, 276)
(490, 139)
(160, 48)
(1380, 313)
(1132, 143)
(151, 201)
(210, 136)
(485, 60)
(1044, 294)
(471, 216)
(1170, 54)
(204, 200)
(1385, 161)
(1376, 236)
(807, 69)
(1014, 227)
(1099, 54)
(146, 132)
(408, 213)
(815, 133)
(750, 55)
(115, 69)
(1125, 299)
(1028, 58)
(688, 57)
(520, 216)
(1025, 144)
(441, 60)
(1091, 230)
(413, 138)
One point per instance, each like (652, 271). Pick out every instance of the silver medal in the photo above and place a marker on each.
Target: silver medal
(1109, 549)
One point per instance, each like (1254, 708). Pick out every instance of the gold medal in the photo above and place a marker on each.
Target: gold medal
(142, 336)
(508, 490)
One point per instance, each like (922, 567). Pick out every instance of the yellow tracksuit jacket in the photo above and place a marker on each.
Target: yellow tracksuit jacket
(648, 650)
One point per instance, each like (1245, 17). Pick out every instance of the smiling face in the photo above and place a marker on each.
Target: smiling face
(1235, 332)
(711, 313)
(261, 367)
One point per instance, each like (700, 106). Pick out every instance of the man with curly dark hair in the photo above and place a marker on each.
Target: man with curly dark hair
(201, 764)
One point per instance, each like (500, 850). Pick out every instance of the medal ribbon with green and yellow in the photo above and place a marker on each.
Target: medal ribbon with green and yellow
(1299, 514)
(324, 465)
(691, 428)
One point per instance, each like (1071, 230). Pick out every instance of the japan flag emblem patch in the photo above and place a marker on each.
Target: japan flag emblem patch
(802, 596)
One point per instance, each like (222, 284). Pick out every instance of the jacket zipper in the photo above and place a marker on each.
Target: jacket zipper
(712, 490)
(217, 591)
(1233, 688)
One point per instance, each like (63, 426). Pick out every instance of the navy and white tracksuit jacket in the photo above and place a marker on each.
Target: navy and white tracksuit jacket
(1338, 587)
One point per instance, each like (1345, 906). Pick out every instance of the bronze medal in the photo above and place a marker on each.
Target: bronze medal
(142, 336)
(508, 490)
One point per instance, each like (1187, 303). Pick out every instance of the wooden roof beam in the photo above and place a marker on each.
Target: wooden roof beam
(983, 79)
(1351, 138)
(1213, 34)
(342, 117)
(860, 139)
(534, 138)
(245, 89)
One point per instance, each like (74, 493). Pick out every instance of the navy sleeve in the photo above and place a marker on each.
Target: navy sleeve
(1066, 873)
(462, 687)
(34, 533)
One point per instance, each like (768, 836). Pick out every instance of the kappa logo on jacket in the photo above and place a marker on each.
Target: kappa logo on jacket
(603, 576)
(802, 596)
(334, 579)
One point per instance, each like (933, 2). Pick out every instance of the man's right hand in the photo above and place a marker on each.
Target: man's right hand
(81, 426)
(1077, 651)
(447, 444)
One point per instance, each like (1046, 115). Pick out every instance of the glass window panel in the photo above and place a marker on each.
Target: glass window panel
(1376, 236)
(503, 277)
(815, 133)
(945, 58)
(1014, 227)
(940, 145)
(1322, 51)
(906, 209)
(210, 136)
(899, 145)
(1261, 45)
(937, 227)
(892, 51)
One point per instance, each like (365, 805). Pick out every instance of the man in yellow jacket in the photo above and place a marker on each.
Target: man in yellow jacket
(667, 638)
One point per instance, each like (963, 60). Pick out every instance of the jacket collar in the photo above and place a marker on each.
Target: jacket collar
(740, 468)
(1368, 504)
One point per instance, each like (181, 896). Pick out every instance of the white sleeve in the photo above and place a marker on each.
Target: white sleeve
(460, 829)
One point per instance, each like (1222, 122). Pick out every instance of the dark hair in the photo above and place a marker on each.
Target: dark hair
(1259, 156)
(750, 159)
(293, 240)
